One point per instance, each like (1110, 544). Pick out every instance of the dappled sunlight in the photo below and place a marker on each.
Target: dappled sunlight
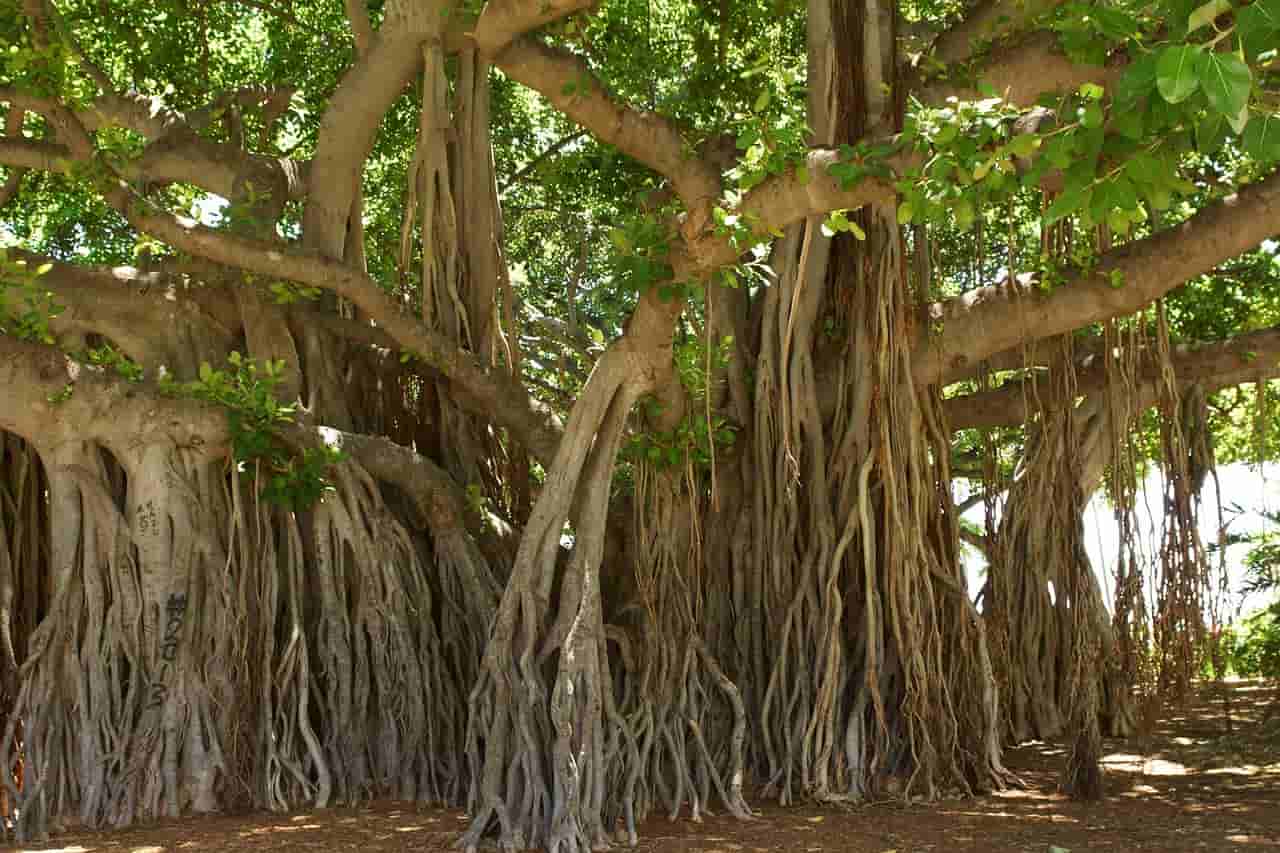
(1190, 787)
(1147, 766)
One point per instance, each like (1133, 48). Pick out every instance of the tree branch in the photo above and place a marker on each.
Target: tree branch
(990, 319)
(1022, 72)
(351, 121)
(649, 138)
(1221, 364)
(13, 120)
(177, 155)
(50, 399)
(503, 21)
(127, 305)
(792, 197)
(986, 21)
(493, 394)
(361, 28)
(551, 151)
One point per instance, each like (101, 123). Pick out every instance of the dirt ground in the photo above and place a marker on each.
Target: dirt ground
(1191, 787)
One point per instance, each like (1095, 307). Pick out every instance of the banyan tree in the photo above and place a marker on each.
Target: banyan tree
(554, 409)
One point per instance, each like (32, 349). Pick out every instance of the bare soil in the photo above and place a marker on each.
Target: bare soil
(1190, 786)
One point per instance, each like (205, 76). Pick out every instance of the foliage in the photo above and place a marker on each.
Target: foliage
(1253, 644)
(25, 307)
(693, 441)
(247, 390)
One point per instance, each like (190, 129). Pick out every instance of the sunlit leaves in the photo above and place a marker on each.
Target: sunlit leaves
(1205, 15)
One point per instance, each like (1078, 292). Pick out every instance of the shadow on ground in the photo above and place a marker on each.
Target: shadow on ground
(1198, 783)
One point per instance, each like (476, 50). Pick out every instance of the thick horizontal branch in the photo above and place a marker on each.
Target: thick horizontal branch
(180, 157)
(1021, 73)
(990, 319)
(1246, 358)
(985, 22)
(794, 195)
(137, 310)
(49, 399)
(651, 139)
(435, 494)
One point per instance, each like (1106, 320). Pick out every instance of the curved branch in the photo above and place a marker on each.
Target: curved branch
(351, 121)
(651, 139)
(128, 305)
(178, 156)
(491, 393)
(50, 399)
(503, 21)
(1221, 364)
(990, 319)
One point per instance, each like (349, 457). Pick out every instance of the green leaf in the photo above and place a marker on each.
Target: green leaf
(1137, 81)
(1262, 138)
(1206, 14)
(1211, 132)
(1091, 116)
(1065, 204)
(1258, 25)
(1091, 91)
(1024, 144)
(856, 230)
(1177, 76)
(1226, 81)
(1240, 120)
(905, 212)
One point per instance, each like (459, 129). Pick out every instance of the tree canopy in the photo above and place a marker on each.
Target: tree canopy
(554, 407)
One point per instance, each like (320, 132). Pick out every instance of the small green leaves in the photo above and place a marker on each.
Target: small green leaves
(62, 395)
(1262, 138)
(1091, 91)
(1066, 204)
(1177, 76)
(838, 222)
(1226, 81)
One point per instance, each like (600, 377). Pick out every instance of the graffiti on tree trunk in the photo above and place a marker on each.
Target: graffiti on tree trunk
(175, 614)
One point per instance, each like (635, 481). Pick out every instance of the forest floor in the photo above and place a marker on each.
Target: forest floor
(1190, 786)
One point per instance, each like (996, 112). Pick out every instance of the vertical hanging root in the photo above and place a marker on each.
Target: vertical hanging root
(517, 723)
(691, 713)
